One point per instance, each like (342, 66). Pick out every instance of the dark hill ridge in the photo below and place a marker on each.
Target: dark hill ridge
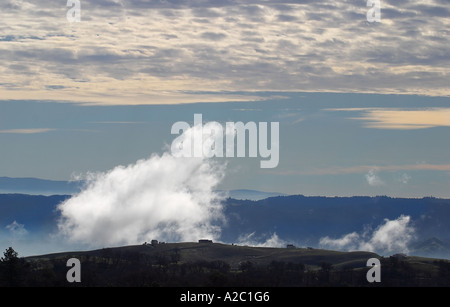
(192, 264)
(431, 246)
(234, 255)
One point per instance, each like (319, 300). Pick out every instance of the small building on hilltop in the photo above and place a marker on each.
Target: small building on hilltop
(205, 241)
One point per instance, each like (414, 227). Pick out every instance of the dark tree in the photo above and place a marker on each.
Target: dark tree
(10, 255)
(11, 268)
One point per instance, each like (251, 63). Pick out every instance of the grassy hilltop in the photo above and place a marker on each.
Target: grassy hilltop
(215, 264)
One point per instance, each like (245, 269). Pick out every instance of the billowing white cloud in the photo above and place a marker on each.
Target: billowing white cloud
(163, 197)
(393, 236)
(373, 179)
(16, 229)
(349, 241)
(404, 178)
(253, 240)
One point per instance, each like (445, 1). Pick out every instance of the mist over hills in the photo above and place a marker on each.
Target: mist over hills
(304, 221)
(324, 215)
(319, 222)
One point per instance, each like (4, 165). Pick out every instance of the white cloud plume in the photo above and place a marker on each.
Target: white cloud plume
(348, 242)
(163, 197)
(373, 179)
(404, 178)
(393, 236)
(252, 240)
(16, 229)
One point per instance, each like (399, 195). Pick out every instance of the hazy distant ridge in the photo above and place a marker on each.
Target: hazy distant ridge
(36, 186)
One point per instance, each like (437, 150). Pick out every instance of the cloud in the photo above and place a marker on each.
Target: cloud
(393, 236)
(261, 241)
(142, 52)
(213, 36)
(162, 197)
(401, 119)
(373, 179)
(16, 229)
(347, 242)
(27, 131)
(404, 178)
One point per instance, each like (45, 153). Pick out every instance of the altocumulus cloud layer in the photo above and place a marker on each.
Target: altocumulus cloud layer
(162, 197)
(127, 51)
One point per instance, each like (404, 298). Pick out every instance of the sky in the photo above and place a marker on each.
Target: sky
(362, 106)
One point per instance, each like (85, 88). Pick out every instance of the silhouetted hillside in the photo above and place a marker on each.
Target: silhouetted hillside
(431, 246)
(216, 265)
